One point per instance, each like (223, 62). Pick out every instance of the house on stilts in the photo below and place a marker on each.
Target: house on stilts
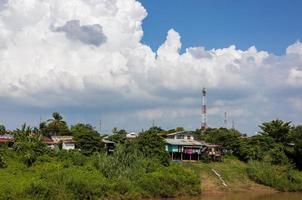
(183, 146)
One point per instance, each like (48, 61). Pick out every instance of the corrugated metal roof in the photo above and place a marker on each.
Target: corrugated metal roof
(108, 141)
(184, 142)
(181, 132)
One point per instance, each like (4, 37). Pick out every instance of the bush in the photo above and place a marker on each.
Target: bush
(29, 158)
(71, 175)
(72, 157)
(170, 182)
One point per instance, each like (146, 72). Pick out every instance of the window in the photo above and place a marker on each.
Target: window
(180, 137)
(189, 137)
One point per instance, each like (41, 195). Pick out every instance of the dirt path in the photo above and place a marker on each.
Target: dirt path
(212, 185)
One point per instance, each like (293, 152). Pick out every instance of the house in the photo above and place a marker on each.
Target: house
(54, 141)
(49, 142)
(6, 138)
(183, 146)
(108, 145)
(131, 136)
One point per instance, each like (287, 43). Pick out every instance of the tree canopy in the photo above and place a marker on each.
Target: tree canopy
(152, 145)
(87, 138)
(2, 129)
(276, 129)
(56, 125)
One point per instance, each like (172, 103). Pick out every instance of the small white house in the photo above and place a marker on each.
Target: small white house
(68, 145)
(132, 135)
(67, 142)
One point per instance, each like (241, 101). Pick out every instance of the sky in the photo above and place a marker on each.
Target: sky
(133, 63)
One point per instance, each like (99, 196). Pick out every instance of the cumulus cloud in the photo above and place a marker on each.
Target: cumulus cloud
(89, 34)
(86, 53)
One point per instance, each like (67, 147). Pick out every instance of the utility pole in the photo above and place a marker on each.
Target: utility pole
(225, 120)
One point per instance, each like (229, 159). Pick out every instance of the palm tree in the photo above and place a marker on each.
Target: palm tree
(56, 125)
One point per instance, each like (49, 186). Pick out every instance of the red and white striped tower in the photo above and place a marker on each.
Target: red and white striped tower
(204, 124)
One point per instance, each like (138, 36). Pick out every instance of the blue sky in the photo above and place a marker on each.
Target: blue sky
(130, 62)
(270, 25)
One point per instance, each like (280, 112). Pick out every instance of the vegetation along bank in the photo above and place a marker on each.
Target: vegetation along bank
(141, 167)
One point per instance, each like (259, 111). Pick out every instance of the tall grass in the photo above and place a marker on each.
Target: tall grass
(70, 175)
(283, 178)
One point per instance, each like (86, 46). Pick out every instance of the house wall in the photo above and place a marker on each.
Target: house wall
(68, 146)
(173, 148)
(52, 146)
(181, 136)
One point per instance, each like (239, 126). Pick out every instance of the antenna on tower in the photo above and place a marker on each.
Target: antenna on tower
(204, 124)
(100, 126)
(225, 120)
(233, 124)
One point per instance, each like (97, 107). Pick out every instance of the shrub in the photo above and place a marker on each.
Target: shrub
(29, 158)
(86, 185)
(71, 157)
(175, 180)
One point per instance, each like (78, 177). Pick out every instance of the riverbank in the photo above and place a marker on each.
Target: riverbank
(71, 175)
(243, 196)
(232, 171)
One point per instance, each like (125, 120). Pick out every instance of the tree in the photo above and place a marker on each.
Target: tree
(29, 144)
(57, 126)
(2, 129)
(87, 138)
(119, 136)
(277, 129)
(296, 143)
(43, 129)
(152, 145)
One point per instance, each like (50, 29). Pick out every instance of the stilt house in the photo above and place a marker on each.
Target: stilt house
(183, 146)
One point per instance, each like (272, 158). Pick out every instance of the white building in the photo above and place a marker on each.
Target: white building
(67, 142)
(132, 135)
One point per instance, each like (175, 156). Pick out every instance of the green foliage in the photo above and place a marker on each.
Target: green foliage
(170, 182)
(71, 158)
(121, 163)
(295, 149)
(276, 129)
(124, 175)
(87, 138)
(2, 129)
(28, 144)
(284, 178)
(151, 145)
(276, 156)
(119, 136)
(56, 126)
(2, 162)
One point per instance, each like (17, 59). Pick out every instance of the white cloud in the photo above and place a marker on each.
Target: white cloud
(40, 66)
(295, 77)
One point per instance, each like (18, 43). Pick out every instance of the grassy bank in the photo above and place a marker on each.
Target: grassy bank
(234, 173)
(70, 175)
(283, 178)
